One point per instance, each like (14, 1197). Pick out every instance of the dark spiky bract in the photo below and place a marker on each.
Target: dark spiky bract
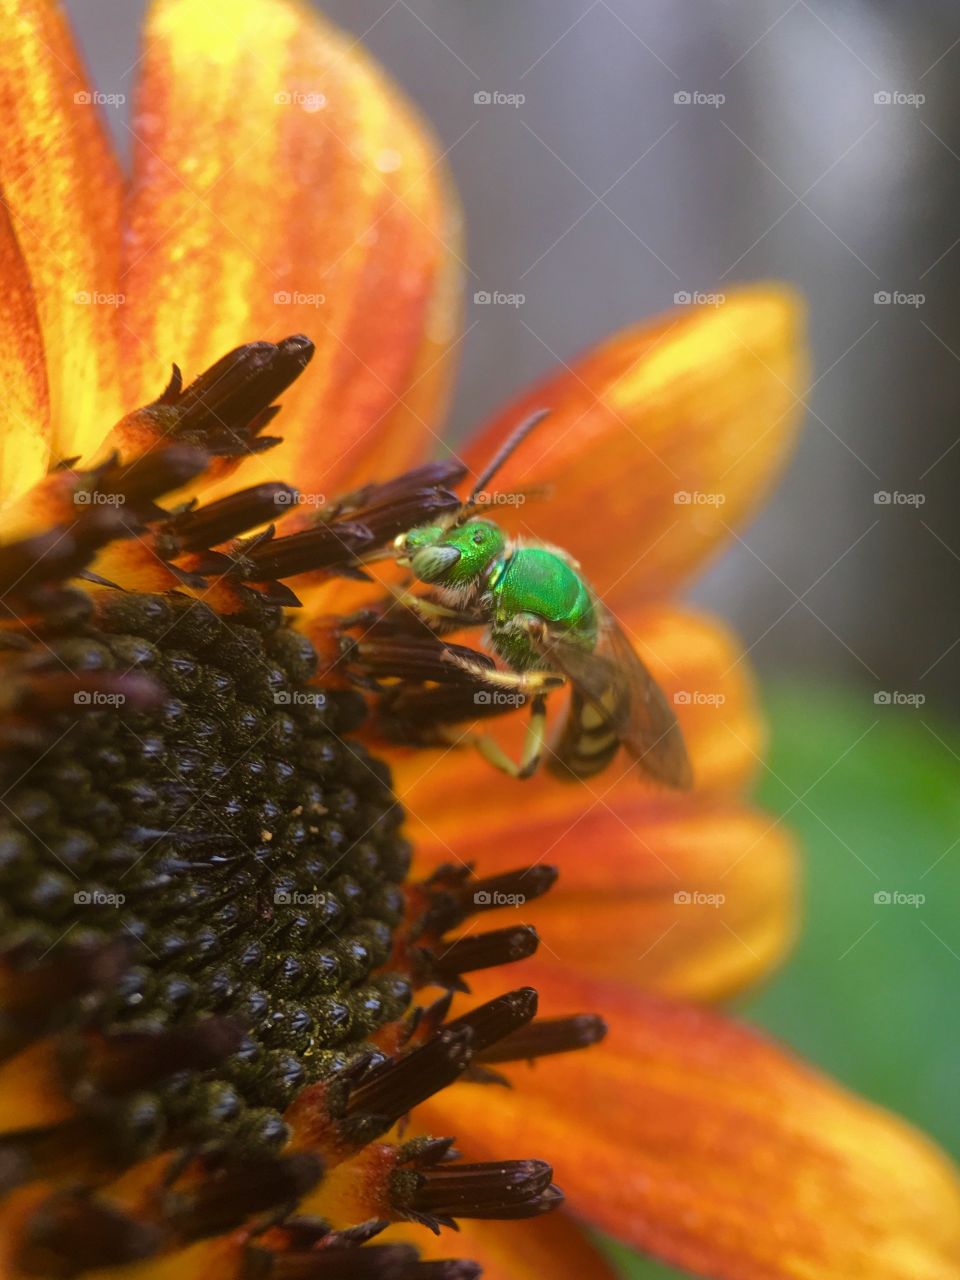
(210, 953)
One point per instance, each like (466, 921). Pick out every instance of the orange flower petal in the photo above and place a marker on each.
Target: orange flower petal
(552, 1246)
(62, 188)
(30, 1089)
(699, 1140)
(624, 851)
(448, 793)
(691, 903)
(282, 184)
(223, 1257)
(25, 407)
(659, 440)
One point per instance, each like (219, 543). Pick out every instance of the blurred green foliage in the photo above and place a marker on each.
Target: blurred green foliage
(869, 991)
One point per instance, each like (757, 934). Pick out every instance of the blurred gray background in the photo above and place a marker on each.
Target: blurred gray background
(601, 196)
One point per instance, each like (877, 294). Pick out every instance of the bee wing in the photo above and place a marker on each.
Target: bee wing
(638, 711)
(652, 736)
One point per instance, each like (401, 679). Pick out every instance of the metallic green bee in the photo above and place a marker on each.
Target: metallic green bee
(549, 628)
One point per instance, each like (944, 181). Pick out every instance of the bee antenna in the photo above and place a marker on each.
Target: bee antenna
(509, 447)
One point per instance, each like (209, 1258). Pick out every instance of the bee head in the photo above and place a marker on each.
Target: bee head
(451, 557)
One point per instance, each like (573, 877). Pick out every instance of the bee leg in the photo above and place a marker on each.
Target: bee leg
(533, 744)
(416, 604)
(532, 683)
(534, 741)
(431, 611)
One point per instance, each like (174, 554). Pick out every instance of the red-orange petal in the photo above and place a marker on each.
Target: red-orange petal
(25, 406)
(691, 894)
(223, 1257)
(282, 184)
(660, 440)
(548, 1248)
(696, 903)
(61, 184)
(628, 854)
(701, 1141)
(450, 792)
